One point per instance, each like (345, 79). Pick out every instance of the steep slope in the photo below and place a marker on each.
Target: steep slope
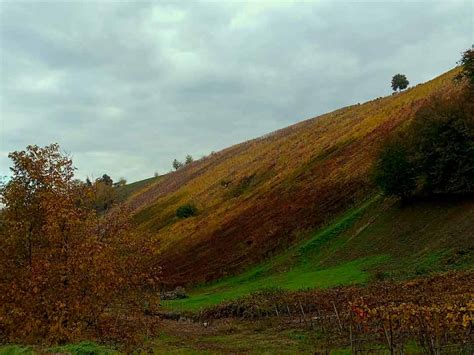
(259, 197)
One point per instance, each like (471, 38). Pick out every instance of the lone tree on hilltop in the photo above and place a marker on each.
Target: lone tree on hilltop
(399, 82)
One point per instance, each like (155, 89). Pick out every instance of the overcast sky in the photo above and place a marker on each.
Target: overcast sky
(126, 87)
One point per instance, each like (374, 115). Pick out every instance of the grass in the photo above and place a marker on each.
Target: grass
(82, 348)
(295, 279)
(258, 337)
(15, 349)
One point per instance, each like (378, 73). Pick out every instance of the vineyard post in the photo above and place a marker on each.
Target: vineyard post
(322, 321)
(337, 316)
(387, 338)
(276, 311)
(391, 333)
(350, 335)
(302, 312)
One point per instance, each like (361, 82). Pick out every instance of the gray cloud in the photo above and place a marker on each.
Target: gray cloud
(128, 86)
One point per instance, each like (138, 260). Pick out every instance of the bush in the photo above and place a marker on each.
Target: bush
(186, 211)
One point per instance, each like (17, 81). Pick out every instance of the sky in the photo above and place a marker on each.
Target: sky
(126, 87)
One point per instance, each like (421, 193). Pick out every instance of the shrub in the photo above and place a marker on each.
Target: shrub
(186, 211)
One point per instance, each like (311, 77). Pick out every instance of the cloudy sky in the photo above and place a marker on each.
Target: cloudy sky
(126, 87)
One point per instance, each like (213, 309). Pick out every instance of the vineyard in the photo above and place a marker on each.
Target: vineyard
(435, 313)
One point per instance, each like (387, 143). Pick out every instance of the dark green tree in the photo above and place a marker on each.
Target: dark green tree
(443, 141)
(399, 82)
(394, 172)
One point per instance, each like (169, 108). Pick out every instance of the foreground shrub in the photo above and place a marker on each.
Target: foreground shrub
(67, 272)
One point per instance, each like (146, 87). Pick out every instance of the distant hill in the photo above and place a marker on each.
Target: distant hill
(258, 198)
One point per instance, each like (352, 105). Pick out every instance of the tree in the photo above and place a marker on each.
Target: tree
(399, 82)
(62, 265)
(189, 159)
(177, 164)
(443, 142)
(394, 173)
(467, 64)
(436, 153)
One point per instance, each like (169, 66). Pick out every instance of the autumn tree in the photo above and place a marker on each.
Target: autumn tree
(399, 82)
(62, 265)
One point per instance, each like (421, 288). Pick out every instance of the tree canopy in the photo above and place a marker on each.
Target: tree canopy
(399, 82)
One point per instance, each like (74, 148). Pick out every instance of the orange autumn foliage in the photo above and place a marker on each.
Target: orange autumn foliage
(66, 272)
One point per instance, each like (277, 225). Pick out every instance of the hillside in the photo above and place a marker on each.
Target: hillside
(260, 197)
